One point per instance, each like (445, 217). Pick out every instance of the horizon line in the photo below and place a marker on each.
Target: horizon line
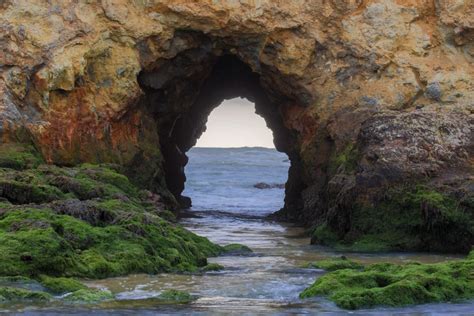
(213, 147)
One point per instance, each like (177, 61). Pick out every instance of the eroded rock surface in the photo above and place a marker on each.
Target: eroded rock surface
(364, 96)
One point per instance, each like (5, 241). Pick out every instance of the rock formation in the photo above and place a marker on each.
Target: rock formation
(370, 99)
(264, 185)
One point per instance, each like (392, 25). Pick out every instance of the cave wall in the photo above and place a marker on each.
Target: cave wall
(367, 95)
(183, 112)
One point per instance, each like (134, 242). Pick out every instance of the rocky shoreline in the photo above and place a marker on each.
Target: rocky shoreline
(58, 224)
(100, 101)
(88, 221)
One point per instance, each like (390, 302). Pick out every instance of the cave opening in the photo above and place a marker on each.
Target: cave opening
(234, 166)
(180, 94)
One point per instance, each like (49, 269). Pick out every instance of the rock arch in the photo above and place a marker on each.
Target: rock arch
(366, 97)
(182, 125)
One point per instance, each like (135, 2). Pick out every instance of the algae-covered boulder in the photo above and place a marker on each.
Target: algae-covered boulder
(37, 240)
(334, 264)
(389, 284)
(212, 267)
(89, 296)
(61, 285)
(399, 185)
(87, 221)
(236, 250)
(18, 156)
(412, 217)
(176, 296)
(18, 294)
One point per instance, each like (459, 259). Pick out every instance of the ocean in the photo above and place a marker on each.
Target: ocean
(223, 179)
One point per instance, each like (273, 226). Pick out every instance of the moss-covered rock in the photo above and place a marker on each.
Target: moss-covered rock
(61, 285)
(39, 241)
(334, 264)
(47, 183)
(15, 278)
(23, 193)
(18, 294)
(90, 181)
(176, 296)
(396, 285)
(323, 234)
(18, 156)
(30, 245)
(236, 249)
(212, 267)
(89, 296)
(344, 161)
(109, 174)
(88, 221)
(415, 218)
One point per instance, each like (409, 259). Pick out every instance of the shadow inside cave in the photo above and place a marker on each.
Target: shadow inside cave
(180, 94)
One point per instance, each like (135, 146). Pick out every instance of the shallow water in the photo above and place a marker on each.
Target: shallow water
(266, 282)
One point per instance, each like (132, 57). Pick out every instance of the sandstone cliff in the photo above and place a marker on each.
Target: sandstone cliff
(371, 99)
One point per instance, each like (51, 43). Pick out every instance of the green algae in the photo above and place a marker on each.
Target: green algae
(334, 264)
(18, 156)
(324, 235)
(413, 218)
(47, 183)
(167, 215)
(396, 285)
(108, 174)
(61, 285)
(15, 278)
(88, 221)
(90, 181)
(89, 296)
(211, 267)
(22, 193)
(18, 294)
(38, 241)
(176, 296)
(29, 244)
(236, 249)
(344, 161)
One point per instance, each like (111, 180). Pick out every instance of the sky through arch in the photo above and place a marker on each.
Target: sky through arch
(234, 123)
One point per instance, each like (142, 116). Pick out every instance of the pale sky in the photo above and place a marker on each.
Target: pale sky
(234, 123)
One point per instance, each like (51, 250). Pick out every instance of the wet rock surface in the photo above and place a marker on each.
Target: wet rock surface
(263, 185)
